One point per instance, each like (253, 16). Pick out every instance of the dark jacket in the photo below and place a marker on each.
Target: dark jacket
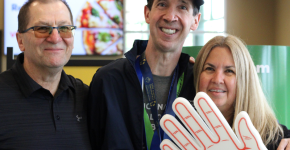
(116, 101)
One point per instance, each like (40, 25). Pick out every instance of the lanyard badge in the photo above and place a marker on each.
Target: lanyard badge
(153, 139)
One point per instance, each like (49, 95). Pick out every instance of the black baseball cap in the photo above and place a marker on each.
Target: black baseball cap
(196, 3)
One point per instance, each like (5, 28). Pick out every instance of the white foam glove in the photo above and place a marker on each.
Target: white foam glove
(209, 130)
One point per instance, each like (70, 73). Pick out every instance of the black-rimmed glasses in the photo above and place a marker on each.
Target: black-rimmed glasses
(44, 31)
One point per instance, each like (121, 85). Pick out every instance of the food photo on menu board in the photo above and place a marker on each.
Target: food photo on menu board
(101, 22)
(99, 26)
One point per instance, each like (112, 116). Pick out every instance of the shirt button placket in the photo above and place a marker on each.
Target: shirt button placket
(57, 115)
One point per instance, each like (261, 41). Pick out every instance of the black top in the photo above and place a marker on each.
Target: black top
(32, 118)
(274, 146)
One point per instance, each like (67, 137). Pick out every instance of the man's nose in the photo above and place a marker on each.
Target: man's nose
(170, 15)
(54, 37)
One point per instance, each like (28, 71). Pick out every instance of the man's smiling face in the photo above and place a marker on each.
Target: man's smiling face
(170, 22)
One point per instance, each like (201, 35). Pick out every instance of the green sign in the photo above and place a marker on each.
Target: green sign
(272, 67)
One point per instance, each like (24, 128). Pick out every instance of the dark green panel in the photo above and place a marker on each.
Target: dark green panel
(272, 67)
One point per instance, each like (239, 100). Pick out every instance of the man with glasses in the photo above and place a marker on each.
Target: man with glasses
(42, 107)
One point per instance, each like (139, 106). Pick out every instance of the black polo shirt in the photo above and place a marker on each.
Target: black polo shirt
(32, 118)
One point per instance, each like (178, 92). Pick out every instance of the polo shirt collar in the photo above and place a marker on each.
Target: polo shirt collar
(65, 82)
(27, 85)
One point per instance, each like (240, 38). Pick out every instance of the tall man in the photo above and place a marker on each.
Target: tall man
(128, 96)
(42, 107)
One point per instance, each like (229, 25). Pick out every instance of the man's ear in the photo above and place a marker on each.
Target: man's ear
(19, 38)
(196, 22)
(147, 14)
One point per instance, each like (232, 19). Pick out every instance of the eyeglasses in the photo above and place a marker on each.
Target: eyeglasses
(44, 31)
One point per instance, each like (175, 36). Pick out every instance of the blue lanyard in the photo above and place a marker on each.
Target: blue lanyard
(144, 73)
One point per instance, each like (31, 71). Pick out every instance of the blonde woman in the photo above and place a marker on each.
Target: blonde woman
(225, 71)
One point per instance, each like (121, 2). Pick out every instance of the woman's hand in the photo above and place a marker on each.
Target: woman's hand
(284, 144)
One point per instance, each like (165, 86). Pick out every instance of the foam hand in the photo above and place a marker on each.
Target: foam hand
(209, 130)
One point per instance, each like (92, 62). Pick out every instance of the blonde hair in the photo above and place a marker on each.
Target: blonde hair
(249, 94)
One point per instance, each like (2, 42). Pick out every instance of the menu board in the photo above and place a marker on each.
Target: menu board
(99, 26)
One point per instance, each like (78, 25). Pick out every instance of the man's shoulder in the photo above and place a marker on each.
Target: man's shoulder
(8, 85)
(120, 65)
(77, 83)
(184, 64)
(6, 78)
(118, 70)
(117, 63)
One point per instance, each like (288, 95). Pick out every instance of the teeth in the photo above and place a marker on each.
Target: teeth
(220, 91)
(168, 31)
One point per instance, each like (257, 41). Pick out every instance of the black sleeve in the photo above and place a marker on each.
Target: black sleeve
(274, 146)
(286, 131)
(96, 111)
